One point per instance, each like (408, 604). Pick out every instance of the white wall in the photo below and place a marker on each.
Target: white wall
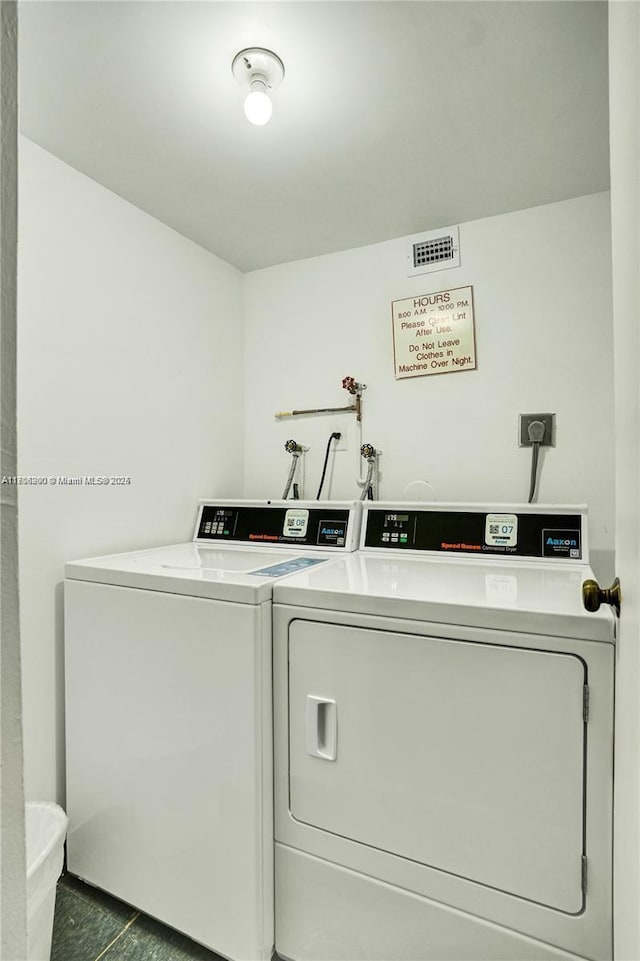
(542, 294)
(13, 888)
(129, 360)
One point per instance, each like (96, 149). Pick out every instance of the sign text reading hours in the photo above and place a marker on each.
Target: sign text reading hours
(434, 333)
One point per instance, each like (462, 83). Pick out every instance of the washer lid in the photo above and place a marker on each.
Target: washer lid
(530, 597)
(232, 574)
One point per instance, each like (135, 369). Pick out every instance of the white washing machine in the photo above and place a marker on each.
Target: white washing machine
(169, 716)
(443, 724)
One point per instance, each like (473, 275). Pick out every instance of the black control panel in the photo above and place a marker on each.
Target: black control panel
(477, 533)
(271, 524)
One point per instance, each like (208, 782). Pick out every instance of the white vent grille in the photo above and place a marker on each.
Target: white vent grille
(430, 251)
(434, 251)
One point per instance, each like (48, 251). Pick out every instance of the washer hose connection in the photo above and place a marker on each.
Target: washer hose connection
(370, 483)
(295, 449)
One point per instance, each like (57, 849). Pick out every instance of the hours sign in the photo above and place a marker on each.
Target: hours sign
(434, 333)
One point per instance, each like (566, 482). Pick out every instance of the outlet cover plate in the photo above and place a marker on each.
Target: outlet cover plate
(341, 426)
(549, 421)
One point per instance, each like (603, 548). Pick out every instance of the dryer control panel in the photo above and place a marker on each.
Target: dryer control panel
(517, 531)
(330, 525)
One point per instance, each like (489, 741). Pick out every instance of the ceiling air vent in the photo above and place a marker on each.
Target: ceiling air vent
(434, 251)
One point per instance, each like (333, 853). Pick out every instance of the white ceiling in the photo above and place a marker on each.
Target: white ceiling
(393, 117)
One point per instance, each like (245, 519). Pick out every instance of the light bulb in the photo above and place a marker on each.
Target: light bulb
(257, 106)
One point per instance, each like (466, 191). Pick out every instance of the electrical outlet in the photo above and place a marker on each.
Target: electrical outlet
(340, 427)
(549, 421)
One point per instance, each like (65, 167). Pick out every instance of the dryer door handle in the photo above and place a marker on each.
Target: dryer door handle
(321, 727)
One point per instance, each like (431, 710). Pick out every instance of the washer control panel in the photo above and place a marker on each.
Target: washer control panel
(312, 524)
(516, 532)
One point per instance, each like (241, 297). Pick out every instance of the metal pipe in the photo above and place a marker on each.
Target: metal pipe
(321, 410)
(349, 384)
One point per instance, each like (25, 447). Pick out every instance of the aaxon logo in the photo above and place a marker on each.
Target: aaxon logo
(561, 542)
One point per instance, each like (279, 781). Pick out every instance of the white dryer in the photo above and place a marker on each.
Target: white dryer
(169, 716)
(443, 711)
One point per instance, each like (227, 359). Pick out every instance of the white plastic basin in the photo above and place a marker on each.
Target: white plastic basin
(46, 828)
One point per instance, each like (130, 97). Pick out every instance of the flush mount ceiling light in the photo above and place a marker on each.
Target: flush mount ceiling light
(258, 71)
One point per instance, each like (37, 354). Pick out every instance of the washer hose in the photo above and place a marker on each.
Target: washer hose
(292, 470)
(366, 489)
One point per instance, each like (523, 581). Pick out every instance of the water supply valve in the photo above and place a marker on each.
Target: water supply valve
(352, 385)
(296, 450)
(368, 451)
(370, 483)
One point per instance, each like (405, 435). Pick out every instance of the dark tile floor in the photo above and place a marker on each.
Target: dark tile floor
(90, 925)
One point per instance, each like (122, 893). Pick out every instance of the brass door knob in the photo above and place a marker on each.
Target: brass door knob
(593, 595)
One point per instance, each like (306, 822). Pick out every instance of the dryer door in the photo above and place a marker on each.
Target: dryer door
(466, 757)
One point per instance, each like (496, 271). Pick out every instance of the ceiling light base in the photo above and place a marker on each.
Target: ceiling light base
(256, 63)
